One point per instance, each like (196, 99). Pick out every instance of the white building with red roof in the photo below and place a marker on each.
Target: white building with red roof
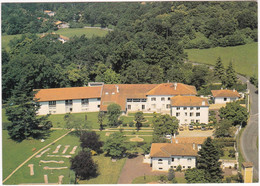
(224, 96)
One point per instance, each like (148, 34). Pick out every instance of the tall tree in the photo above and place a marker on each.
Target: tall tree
(234, 112)
(84, 166)
(101, 117)
(91, 140)
(113, 112)
(139, 118)
(115, 145)
(208, 160)
(219, 70)
(21, 111)
(231, 76)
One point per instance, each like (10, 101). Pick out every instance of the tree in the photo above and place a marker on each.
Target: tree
(223, 129)
(21, 111)
(146, 148)
(101, 117)
(115, 145)
(195, 176)
(208, 160)
(113, 112)
(219, 70)
(234, 112)
(171, 175)
(164, 125)
(72, 122)
(91, 140)
(199, 75)
(109, 77)
(254, 80)
(231, 77)
(139, 118)
(84, 166)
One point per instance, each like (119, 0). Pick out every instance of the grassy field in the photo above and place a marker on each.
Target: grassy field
(244, 57)
(68, 32)
(16, 153)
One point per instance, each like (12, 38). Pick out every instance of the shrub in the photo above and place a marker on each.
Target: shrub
(178, 168)
(228, 179)
(162, 178)
(124, 124)
(131, 124)
(171, 174)
(232, 153)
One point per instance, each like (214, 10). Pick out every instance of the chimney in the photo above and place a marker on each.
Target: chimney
(234, 90)
(175, 85)
(221, 88)
(193, 146)
(203, 102)
(174, 135)
(117, 89)
(176, 141)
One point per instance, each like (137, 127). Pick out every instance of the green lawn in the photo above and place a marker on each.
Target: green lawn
(128, 119)
(244, 57)
(89, 32)
(16, 153)
(109, 171)
(226, 153)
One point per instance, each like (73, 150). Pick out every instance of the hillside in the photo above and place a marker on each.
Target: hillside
(244, 57)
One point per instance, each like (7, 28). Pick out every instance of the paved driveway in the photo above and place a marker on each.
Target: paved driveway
(134, 168)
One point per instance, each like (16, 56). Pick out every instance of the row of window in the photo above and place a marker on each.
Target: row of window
(185, 108)
(162, 99)
(70, 102)
(160, 161)
(168, 106)
(136, 100)
(174, 167)
(186, 114)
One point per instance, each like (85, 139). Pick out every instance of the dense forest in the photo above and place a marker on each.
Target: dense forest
(146, 45)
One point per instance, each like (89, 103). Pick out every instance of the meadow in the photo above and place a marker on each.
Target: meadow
(244, 57)
(68, 32)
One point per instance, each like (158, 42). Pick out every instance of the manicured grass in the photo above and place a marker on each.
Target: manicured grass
(23, 174)
(244, 57)
(16, 153)
(89, 32)
(226, 153)
(128, 119)
(145, 179)
(109, 171)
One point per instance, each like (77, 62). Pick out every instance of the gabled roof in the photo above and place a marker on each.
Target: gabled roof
(111, 95)
(185, 140)
(225, 93)
(173, 89)
(55, 94)
(188, 101)
(161, 150)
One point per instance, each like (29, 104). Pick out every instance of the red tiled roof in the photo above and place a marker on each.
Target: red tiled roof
(188, 101)
(169, 89)
(225, 93)
(55, 94)
(110, 94)
(172, 149)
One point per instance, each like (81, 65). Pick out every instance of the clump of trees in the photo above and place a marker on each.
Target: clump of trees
(113, 113)
(91, 140)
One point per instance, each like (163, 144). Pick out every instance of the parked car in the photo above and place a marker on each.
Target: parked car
(168, 136)
(203, 128)
(181, 128)
(191, 127)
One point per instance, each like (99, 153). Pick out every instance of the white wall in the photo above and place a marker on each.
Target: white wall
(187, 119)
(220, 100)
(178, 160)
(76, 107)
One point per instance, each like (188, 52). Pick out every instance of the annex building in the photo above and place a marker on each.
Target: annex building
(176, 99)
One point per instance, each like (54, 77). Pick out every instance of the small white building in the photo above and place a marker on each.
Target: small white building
(188, 109)
(224, 96)
(65, 100)
(169, 155)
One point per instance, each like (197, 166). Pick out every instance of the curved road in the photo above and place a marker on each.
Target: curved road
(249, 138)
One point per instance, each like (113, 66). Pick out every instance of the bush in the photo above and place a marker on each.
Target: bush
(171, 174)
(131, 124)
(228, 179)
(178, 168)
(232, 153)
(162, 178)
(124, 124)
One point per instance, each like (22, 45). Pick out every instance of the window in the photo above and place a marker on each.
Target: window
(197, 120)
(197, 114)
(179, 159)
(70, 109)
(186, 114)
(153, 99)
(172, 159)
(197, 108)
(68, 102)
(160, 168)
(143, 107)
(168, 106)
(171, 167)
(183, 167)
(185, 120)
(160, 161)
(52, 103)
(98, 99)
(136, 100)
(169, 98)
(225, 99)
(143, 100)
(177, 114)
(191, 114)
(129, 107)
(129, 100)
(189, 167)
(153, 106)
(98, 106)
(84, 102)
(178, 108)
(162, 99)
(174, 167)
(184, 108)
(191, 108)
(189, 159)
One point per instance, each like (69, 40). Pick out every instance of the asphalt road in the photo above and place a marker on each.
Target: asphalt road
(249, 136)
